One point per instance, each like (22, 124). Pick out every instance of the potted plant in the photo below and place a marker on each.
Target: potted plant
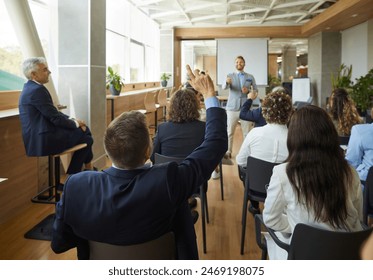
(114, 81)
(272, 83)
(362, 92)
(164, 78)
(343, 79)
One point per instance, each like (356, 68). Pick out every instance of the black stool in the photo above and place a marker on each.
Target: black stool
(50, 195)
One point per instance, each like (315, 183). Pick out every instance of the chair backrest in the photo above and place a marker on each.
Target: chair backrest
(368, 196)
(258, 175)
(158, 158)
(343, 140)
(149, 101)
(162, 97)
(311, 243)
(162, 248)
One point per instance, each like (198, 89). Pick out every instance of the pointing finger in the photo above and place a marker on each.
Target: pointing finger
(190, 73)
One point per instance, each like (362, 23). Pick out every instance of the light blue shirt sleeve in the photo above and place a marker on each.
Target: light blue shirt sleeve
(211, 102)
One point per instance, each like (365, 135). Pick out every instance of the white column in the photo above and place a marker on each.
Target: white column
(24, 26)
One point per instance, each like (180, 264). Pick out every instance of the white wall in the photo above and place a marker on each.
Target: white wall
(355, 49)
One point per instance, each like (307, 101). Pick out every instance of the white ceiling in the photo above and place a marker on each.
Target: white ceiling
(199, 13)
(218, 13)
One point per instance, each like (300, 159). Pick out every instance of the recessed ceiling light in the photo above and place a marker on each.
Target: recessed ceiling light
(327, 28)
(354, 15)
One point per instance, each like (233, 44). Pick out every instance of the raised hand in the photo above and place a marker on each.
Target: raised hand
(201, 82)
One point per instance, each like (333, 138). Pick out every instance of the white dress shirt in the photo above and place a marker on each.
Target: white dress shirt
(266, 143)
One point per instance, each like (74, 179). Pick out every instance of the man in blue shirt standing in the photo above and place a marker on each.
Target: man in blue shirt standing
(240, 84)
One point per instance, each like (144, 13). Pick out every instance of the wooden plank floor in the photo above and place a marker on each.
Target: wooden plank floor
(223, 231)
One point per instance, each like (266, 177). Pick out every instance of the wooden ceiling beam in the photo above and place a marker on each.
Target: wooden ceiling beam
(237, 32)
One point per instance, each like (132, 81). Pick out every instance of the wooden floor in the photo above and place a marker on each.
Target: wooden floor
(223, 231)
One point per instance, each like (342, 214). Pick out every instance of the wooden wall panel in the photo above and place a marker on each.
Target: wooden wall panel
(9, 99)
(21, 171)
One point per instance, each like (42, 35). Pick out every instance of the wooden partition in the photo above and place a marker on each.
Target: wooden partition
(9, 99)
(25, 175)
(20, 170)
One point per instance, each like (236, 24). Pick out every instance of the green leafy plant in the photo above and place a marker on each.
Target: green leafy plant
(113, 78)
(343, 78)
(362, 91)
(165, 77)
(272, 83)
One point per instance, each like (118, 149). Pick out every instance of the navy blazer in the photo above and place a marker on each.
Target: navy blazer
(44, 128)
(134, 206)
(254, 115)
(178, 139)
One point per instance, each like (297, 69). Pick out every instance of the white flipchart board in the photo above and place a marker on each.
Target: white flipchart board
(255, 52)
(301, 89)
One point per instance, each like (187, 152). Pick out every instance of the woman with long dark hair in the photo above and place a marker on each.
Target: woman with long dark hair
(315, 185)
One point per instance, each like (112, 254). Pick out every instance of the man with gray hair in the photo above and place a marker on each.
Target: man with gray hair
(45, 130)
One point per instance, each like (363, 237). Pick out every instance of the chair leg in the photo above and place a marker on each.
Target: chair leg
(221, 180)
(206, 204)
(243, 222)
(155, 121)
(57, 177)
(50, 174)
(50, 195)
(264, 254)
(203, 200)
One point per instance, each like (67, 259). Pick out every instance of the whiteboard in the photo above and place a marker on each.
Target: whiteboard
(301, 89)
(253, 50)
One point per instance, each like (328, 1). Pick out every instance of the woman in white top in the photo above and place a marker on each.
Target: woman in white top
(268, 142)
(316, 185)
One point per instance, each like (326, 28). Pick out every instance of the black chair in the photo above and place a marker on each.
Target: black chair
(368, 197)
(343, 140)
(158, 158)
(312, 243)
(162, 248)
(256, 176)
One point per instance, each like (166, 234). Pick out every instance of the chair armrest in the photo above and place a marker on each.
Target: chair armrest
(271, 232)
(242, 173)
(260, 240)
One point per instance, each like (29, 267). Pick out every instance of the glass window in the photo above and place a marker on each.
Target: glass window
(116, 47)
(134, 44)
(137, 62)
(10, 51)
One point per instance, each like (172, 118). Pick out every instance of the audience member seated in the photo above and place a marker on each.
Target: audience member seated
(45, 130)
(315, 185)
(255, 115)
(183, 132)
(268, 142)
(343, 111)
(133, 202)
(360, 148)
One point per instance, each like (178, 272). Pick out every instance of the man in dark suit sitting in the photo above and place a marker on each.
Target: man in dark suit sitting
(45, 130)
(133, 202)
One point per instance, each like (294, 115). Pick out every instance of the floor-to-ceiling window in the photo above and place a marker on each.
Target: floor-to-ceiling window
(132, 42)
(11, 76)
